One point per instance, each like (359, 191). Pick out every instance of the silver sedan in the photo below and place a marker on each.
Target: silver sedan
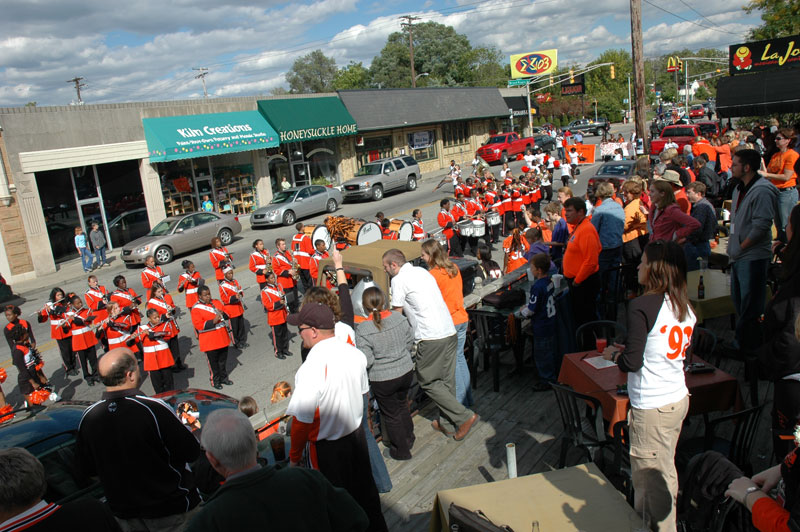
(179, 234)
(296, 202)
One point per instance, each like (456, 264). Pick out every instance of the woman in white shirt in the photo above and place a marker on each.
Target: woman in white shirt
(660, 326)
(529, 158)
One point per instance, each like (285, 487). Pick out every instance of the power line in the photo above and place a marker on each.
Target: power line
(78, 86)
(684, 2)
(692, 21)
(409, 24)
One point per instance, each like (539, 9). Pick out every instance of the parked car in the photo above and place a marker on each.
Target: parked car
(615, 172)
(178, 234)
(504, 146)
(697, 111)
(681, 134)
(296, 202)
(49, 433)
(128, 226)
(383, 175)
(589, 127)
(545, 142)
(708, 128)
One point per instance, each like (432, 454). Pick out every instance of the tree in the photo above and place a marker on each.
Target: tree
(278, 91)
(781, 18)
(702, 94)
(312, 73)
(353, 76)
(30, 104)
(486, 67)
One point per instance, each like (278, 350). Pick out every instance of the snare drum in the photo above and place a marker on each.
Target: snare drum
(318, 232)
(403, 228)
(465, 227)
(362, 233)
(493, 218)
(440, 237)
(478, 228)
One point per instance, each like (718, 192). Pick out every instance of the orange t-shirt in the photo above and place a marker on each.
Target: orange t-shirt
(582, 253)
(781, 162)
(515, 258)
(453, 294)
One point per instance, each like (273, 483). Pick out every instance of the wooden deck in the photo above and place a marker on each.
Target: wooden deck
(518, 415)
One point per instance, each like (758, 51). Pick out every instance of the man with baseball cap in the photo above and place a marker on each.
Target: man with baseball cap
(327, 405)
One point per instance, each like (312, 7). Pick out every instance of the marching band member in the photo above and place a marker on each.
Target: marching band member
(231, 294)
(84, 342)
(516, 204)
(418, 230)
(97, 300)
(283, 266)
(54, 311)
(321, 252)
(218, 255)
(162, 302)
(126, 297)
(188, 282)
(208, 319)
(386, 232)
(28, 363)
(13, 313)
(158, 359)
(302, 249)
(447, 222)
(475, 210)
(119, 328)
(151, 274)
(274, 301)
(459, 212)
(260, 262)
(506, 211)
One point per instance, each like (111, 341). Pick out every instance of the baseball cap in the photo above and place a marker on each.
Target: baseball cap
(314, 315)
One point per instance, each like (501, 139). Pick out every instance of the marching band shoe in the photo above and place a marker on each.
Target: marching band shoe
(90, 381)
(176, 368)
(280, 356)
(227, 382)
(217, 386)
(437, 426)
(463, 430)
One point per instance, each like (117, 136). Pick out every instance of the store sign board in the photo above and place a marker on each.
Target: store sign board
(188, 136)
(772, 54)
(533, 63)
(517, 82)
(674, 64)
(421, 139)
(577, 87)
(302, 119)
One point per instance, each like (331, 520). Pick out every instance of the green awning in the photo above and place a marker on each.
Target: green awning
(299, 119)
(188, 136)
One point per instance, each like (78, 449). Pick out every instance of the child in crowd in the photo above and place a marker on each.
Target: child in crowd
(248, 406)
(542, 310)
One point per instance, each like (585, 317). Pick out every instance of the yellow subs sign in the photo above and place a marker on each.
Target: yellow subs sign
(773, 54)
(533, 63)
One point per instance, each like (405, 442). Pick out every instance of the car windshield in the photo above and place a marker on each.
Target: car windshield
(283, 196)
(499, 139)
(678, 132)
(707, 129)
(370, 169)
(164, 227)
(697, 108)
(615, 169)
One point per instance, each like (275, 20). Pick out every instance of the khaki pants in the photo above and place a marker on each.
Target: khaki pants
(435, 364)
(654, 436)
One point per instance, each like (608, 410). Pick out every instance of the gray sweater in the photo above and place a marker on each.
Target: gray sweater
(752, 219)
(388, 349)
(97, 238)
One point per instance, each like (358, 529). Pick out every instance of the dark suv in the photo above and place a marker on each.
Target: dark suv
(589, 127)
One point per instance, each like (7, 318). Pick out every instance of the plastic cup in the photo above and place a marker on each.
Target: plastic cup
(601, 344)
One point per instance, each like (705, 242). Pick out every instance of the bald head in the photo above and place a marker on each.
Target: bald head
(119, 370)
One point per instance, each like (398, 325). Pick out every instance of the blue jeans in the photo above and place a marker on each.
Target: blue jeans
(560, 153)
(379, 471)
(693, 251)
(544, 355)
(86, 259)
(463, 389)
(787, 199)
(99, 257)
(749, 294)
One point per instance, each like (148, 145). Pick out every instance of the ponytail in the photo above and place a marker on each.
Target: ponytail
(373, 302)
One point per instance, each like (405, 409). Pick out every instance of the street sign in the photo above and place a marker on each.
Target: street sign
(517, 82)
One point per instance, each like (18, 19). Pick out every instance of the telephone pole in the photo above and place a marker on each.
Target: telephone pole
(409, 24)
(203, 72)
(638, 73)
(78, 86)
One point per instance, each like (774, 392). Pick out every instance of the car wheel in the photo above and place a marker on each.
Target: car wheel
(225, 236)
(504, 158)
(163, 255)
(331, 205)
(598, 132)
(288, 218)
(377, 192)
(412, 183)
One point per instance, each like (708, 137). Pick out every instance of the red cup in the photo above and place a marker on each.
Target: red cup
(601, 344)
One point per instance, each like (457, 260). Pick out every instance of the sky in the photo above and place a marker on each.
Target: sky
(146, 50)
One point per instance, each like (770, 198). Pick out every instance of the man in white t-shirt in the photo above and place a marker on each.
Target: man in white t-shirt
(327, 405)
(416, 294)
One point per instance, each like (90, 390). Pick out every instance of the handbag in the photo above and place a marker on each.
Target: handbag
(463, 520)
(505, 298)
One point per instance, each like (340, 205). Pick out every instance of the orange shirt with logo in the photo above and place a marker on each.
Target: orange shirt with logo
(781, 162)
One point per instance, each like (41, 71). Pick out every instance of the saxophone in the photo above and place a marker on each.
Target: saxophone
(295, 269)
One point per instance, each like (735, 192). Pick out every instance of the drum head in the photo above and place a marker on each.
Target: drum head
(368, 232)
(321, 233)
(406, 231)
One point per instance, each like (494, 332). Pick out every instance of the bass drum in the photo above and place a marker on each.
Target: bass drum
(362, 232)
(318, 232)
(403, 228)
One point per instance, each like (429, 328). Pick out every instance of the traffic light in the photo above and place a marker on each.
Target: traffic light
(571, 76)
(613, 75)
(680, 66)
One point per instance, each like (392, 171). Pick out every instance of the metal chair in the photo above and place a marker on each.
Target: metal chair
(621, 467)
(612, 291)
(583, 431)
(587, 334)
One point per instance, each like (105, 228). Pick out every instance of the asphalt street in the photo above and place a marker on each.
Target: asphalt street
(254, 370)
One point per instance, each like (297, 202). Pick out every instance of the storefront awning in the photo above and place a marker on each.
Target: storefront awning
(761, 94)
(188, 136)
(299, 119)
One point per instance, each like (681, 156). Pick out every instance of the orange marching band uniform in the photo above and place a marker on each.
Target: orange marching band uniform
(55, 313)
(218, 257)
(166, 309)
(282, 265)
(313, 269)
(418, 231)
(230, 292)
(274, 301)
(158, 359)
(128, 298)
(188, 283)
(84, 341)
(302, 249)
(96, 300)
(213, 339)
(119, 331)
(150, 276)
(260, 264)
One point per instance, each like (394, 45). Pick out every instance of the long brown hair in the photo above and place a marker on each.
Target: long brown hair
(320, 294)
(437, 258)
(667, 194)
(666, 274)
(373, 302)
(516, 241)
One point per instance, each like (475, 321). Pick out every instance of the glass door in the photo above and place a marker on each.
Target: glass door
(204, 188)
(89, 199)
(301, 173)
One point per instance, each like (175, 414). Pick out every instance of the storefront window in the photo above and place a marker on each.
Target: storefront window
(178, 187)
(85, 186)
(123, 201)
(60, 212)
(322, 161)
(422, 145)
(233, 182)
(455, 134)
(374, 148)
(278, 165)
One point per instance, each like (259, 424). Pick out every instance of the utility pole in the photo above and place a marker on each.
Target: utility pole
(409, 24)
(686, 83)
(638, 72)
(203, 72)
(630, 115)
(78, 86)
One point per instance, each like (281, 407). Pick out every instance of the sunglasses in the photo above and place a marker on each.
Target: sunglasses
(781, 138)
(301, 329)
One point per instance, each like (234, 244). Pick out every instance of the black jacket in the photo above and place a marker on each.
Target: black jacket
(86, 515)
(139, 449)
(780, 354)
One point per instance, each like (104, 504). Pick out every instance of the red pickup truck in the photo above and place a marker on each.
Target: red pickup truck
(503, 146)
(680, 134)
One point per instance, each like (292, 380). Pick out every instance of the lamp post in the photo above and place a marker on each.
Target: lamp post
(424, 74)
